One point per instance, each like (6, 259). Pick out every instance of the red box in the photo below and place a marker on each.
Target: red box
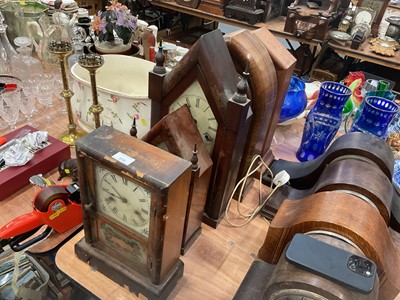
(45, 160)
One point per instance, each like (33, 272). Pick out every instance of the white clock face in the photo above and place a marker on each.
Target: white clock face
(123, 200)
(202, 113)
(374, 5)
(363, 17)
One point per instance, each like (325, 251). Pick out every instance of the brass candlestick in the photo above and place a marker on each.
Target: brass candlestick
(62, 49)
(92, 62)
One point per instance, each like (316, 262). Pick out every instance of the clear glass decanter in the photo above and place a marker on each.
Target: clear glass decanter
(7, 51)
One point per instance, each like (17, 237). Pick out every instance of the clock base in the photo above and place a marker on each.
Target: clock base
(213, 222)
(135, 281)
(185, 246)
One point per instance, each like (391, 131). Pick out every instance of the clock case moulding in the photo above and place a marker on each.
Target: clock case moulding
(177, 133)
(146, 265)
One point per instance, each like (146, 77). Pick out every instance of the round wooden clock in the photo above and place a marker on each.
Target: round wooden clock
(134, 197)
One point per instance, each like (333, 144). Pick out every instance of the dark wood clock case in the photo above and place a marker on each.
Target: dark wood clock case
(167, 178)
(178, 133)
(218, 84)
(247, 11)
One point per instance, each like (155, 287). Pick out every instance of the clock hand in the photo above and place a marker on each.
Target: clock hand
(110, 193)
(123, 199)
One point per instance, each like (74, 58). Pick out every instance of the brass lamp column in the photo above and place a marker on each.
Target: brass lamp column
(62, 49)
(92, 62)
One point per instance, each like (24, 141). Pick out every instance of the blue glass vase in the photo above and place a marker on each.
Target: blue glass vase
(323, 120)
(295, 100)
(384, 94)
(375, 117)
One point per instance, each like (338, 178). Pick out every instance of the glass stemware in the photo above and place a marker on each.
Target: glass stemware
(28, 99)
(45, 91)
(9, 106)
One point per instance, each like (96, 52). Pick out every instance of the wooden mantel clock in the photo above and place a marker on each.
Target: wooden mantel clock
(134, 198)
(177, 133)
(206, 80)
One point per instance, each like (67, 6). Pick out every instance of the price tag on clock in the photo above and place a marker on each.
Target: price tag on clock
(123, 158)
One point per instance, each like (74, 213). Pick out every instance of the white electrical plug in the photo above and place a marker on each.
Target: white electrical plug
(281, 178)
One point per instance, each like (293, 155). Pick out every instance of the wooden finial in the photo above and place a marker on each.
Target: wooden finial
(159, 68)
(195, 159)
(133, 131)
(242, 87)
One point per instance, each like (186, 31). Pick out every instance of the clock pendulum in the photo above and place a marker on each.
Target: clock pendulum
(134, 211)
(62, 49)
(92, 62)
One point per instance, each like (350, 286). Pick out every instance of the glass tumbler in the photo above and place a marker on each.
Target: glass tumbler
(375, 117)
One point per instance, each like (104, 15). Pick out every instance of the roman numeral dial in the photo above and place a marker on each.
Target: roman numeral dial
(202, 114)
(123, 200)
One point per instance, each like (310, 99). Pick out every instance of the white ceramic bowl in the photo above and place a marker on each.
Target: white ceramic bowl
(122, 88)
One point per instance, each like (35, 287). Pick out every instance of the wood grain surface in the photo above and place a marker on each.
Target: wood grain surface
(341, 214)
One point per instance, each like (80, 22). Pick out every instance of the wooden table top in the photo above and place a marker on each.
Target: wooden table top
(216, 263)
(364, 53)
(218, 260)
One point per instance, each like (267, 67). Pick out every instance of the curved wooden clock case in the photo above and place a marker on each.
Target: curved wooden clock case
(346, 216)
(288, 279)
(270, 66)
(347, 176)
(304, 175)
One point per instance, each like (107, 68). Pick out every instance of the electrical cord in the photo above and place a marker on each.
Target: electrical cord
(280, 179)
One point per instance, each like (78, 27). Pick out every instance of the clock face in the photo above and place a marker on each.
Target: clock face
(123, 200)
(202, 113)
(374, 5)
(364, 16)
